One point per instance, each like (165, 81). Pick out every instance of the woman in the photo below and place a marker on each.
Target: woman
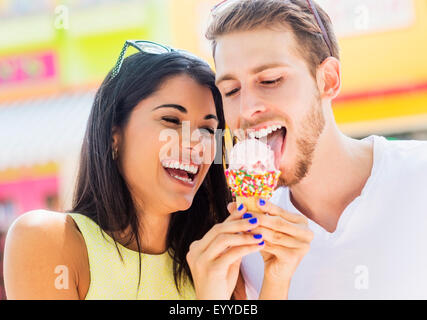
(146, 179)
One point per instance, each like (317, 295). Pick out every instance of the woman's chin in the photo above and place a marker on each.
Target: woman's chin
(183, 203)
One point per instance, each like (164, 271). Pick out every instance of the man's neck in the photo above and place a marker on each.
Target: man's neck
(340, 169)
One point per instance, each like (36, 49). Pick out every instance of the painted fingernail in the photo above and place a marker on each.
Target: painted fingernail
(262, 202)
(247, 216)
(240, 208)
(257, 236)
(261, 243)
(253, 220)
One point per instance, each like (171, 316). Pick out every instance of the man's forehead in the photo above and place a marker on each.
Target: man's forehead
(250, 51)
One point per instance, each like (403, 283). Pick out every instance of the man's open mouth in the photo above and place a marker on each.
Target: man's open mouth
(183, 172)
(275, 136)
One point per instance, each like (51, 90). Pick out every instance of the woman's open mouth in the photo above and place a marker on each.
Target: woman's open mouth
(184, 173)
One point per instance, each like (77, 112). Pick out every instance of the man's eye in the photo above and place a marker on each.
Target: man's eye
(171, 120)
(270, 82)
(230, 93)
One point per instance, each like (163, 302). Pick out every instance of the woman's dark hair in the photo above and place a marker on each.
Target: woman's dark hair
(101, 192)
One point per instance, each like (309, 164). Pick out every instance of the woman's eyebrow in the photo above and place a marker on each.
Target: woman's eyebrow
(183, 110)
(174, 106)
(211, 116)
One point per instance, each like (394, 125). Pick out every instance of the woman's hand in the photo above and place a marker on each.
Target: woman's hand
(215, 259)
(287, 240)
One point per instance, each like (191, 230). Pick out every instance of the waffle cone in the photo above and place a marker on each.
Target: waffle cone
(250, 203)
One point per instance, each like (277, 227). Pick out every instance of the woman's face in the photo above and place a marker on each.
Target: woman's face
(168, 145)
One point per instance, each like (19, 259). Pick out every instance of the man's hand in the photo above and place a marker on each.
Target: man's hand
(287, 239)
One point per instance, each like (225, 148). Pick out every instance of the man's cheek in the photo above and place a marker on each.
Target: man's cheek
(232, 119)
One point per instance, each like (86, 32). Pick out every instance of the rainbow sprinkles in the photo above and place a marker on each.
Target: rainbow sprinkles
(246, 184)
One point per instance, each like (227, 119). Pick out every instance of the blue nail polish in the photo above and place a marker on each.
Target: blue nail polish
(253, 220)
(247, 216)
(240, 208)
(261, 243)
(257, 236)
(262, 202)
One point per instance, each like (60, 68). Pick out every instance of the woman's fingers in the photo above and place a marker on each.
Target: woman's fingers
(290, 256)
(235, 253)
(278, 238)
(235, 225)
(274, 210)
(224, 241)
(236, 213)
(277, 223)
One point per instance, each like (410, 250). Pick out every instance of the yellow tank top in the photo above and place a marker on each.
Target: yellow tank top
(111, 278)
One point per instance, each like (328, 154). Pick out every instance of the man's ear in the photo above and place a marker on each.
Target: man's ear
(329, 78)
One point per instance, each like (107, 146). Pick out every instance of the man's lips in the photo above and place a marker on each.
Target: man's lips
(272, 133)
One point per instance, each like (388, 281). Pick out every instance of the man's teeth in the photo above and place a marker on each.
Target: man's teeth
(264, 132)
(177, 165)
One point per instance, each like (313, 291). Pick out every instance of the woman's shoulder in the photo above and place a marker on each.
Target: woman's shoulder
(50, 243)
(49, 226)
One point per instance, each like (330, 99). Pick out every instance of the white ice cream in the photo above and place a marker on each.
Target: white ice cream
(252, 155)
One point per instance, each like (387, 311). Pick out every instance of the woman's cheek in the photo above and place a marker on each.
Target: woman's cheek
(209, 148)
(169, 144)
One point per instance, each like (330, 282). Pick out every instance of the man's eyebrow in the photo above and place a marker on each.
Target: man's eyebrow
(268, 66)
(253, 71)
(224, 78)
(174, 106)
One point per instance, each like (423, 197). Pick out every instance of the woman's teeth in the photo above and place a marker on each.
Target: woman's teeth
(264, 132)
(182, 179)
(177, 165)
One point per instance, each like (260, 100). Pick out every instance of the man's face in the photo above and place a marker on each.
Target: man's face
(265, 83)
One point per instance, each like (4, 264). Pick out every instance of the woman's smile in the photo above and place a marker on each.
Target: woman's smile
(185, 174)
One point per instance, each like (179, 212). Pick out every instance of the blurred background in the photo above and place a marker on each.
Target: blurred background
(55, 53)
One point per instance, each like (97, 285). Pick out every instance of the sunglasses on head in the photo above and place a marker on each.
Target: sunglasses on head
(142, 46)
(147, 47)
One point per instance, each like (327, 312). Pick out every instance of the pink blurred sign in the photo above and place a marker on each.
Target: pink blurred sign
(21, 69)
(28, 194)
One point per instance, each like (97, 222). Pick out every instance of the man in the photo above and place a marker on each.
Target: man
(277, 64)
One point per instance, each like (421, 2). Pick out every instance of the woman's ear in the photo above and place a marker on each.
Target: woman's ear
(329, 78)
(116, 138)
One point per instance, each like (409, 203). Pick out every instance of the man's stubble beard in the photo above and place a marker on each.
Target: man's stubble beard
(312, 127)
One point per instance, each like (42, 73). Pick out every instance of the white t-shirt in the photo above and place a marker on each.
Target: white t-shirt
(379, 249)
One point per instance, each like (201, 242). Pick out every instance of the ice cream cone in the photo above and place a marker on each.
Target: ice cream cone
(250, 203)
(252, 174)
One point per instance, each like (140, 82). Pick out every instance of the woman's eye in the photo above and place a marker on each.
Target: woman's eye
(171, 120)
(210, 130)
(230, 93)
(270, 82)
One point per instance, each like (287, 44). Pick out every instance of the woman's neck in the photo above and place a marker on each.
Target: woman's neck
(152, 229)
(153, 232)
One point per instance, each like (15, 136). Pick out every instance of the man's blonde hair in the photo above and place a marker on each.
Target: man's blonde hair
(296, 15)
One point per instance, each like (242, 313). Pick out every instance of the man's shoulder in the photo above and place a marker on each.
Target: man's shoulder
(404, 166)
(406, 153)
(408, 145)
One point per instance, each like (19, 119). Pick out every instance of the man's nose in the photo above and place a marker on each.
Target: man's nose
(251, 106)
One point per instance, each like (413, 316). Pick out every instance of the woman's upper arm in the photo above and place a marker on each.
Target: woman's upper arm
(40, 257)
